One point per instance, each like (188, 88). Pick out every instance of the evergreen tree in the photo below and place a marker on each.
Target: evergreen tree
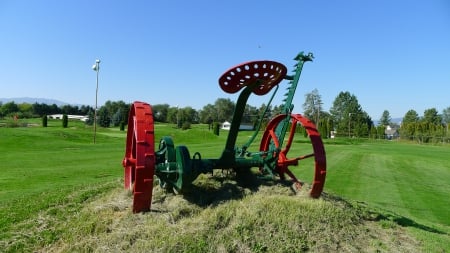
(44, 121)
(348, 116)
(410, 117)
(65, 121)
(385, 119)
(103, 117)
(431, 116)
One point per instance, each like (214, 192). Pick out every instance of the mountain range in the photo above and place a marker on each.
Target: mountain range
(29, 100)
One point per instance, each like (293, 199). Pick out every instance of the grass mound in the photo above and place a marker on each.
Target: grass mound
(220, 215)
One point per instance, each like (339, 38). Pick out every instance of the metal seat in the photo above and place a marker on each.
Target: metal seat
(264, 74)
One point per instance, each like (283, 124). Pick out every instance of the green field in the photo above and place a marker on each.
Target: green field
(58, 173)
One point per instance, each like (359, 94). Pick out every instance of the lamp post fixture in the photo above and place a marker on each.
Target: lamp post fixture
(96, 68)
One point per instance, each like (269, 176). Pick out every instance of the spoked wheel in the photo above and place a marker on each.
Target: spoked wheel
(139, 161)
(270, 142)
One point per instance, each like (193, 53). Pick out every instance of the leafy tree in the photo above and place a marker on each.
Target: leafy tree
(277, 109)
(312, 107)
(25, 110)
(9, 108)
(160, 112)
(323, 128)
(54, 109)
(225, 109)
(385, 119)
(103, 118)
(69, 109)
(173, 115)
(373, 133)
(117, 117)
(112, 107)
(208, 114)
(265, 114)
(348, 116)
(187, 115)
(250, 115)
(446, 116)
(90, 120)
(431, 116)
(84, 110)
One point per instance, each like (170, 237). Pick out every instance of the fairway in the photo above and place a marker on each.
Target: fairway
(44, 168)
(407, 179)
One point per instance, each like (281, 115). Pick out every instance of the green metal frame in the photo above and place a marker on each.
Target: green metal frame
(176, 169)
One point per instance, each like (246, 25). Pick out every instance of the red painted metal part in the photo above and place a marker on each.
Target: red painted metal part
(283, 163)
(139, 160)
(268, 73)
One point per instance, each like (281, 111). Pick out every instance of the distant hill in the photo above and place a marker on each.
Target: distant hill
(393, 120)
(33, 100)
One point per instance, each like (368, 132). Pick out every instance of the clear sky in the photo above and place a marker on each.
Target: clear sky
(392, 55)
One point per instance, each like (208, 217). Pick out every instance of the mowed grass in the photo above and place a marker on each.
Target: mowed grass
(37, 159)
(411, 180)
(57, 188)
(406, 182)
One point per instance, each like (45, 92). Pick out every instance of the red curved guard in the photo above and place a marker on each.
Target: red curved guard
(139, 161)
(283, 162)
(268, 73)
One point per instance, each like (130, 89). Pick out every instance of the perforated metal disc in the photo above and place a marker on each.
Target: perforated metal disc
(266, 73)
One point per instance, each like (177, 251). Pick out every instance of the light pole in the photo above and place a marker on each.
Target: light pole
(349, 120)
(96, 68)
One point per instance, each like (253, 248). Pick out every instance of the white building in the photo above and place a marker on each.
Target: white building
(60, 116)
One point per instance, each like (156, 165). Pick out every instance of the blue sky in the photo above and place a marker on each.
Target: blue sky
(392, 55)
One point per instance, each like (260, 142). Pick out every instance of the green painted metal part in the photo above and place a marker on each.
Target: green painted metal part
(288, 107)
(175, 168)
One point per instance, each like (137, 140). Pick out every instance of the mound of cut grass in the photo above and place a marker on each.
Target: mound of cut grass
(220, 215)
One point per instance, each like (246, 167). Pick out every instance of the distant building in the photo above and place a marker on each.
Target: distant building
(226, 125)
(391, 132)
(243, 127)
(60, 116)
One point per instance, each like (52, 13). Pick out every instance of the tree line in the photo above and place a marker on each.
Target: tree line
(345, 118)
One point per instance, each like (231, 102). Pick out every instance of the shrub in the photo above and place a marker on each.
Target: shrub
(44, 121)
(216, 128)
(186, 125)
(65, 121)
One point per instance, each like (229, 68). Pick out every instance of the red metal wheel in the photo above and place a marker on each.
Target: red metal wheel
(270, 139)
(267, 73)
(139, 160)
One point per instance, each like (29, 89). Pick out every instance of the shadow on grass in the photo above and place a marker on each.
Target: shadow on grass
(379, 215)
(217, 189)
(406, 222)
(386, 215)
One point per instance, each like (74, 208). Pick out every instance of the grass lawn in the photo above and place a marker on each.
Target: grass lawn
(406, 182)
(60, 171)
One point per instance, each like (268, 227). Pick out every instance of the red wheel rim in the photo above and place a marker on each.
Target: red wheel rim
(139, 161)
(318, 151)
(267, 73)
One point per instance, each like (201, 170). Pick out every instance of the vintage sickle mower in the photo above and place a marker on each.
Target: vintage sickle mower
(176, 169)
